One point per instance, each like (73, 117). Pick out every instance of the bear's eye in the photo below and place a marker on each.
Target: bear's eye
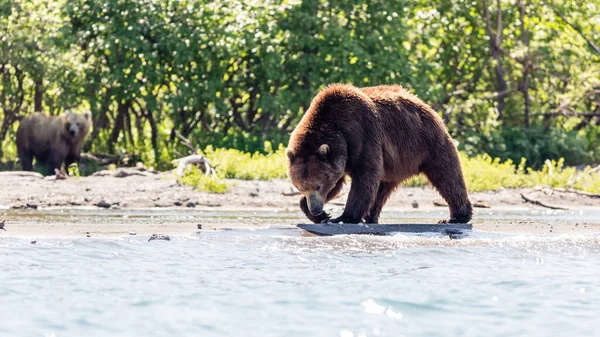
(78, 124)
(318, 188)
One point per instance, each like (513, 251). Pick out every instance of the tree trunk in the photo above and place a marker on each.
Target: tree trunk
(154, 132)
(525, 80)
(128, 131)
(38, 96)
(119, 124)
(101, 122)
(495, 41)
(139, 127)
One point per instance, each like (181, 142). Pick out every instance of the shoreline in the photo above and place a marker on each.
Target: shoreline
(87, 222)
(35, 207)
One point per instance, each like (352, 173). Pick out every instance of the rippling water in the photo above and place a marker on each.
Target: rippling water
(278, 282)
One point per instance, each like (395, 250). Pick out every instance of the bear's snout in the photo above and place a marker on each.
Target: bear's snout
(315, 204)
(73, 132)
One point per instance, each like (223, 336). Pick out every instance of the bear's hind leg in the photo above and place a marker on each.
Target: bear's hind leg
(446, 176)
(26, 161)
(383, 194)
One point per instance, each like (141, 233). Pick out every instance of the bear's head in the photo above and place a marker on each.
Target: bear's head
(77, 125)
(315, 173)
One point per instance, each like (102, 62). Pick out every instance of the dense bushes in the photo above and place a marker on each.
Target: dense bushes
(481, 172)
(235, 73)
(538, 145)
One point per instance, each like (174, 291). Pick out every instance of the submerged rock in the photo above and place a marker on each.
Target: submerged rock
(103, 204)
(159, 237)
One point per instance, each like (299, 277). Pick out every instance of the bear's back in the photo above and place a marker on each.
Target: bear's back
(395, 104)
(39, 133)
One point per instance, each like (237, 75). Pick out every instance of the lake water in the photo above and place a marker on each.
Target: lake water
(279, 282)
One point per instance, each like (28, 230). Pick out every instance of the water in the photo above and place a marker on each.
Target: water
(279, 282)
(290, 217)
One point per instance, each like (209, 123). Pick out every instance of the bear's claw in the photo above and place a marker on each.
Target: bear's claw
(453, 220)
(342, 220)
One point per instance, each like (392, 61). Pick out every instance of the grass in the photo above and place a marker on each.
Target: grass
(482, 172)
(235, 164)
(194, 177)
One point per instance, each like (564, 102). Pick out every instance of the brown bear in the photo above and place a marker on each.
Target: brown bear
(52, 141)
(379, 136)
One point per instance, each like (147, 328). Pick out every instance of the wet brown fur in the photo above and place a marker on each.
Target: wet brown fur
(379, 136)
(47, 139)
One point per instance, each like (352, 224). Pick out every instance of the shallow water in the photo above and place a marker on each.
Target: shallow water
(278, 282)
(156, 216)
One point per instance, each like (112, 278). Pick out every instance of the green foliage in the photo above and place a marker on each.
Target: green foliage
(203, 182)
(482, 172)
(536, 145)
(236, 164)
(9, 149)
(416, 181)
(73, 170)
(234, 74)
(87, 168)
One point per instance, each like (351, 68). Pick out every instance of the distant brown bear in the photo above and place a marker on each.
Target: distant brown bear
(379, 136)
(52, 141)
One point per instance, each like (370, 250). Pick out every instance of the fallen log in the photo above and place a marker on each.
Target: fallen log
(105, 159)
(196, 159)
(124, 172)
(539, 203)
(21, 174)
(570, 190)
(291, 193)
(481, 204)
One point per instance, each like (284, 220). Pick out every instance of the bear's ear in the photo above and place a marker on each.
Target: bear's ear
(88, 115)
(323, 151)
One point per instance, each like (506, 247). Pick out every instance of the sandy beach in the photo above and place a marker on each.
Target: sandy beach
(107, 206)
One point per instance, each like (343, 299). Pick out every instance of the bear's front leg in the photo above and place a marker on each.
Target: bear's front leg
(360, 199)
(55, 161)
(26, 161)
(71, 159)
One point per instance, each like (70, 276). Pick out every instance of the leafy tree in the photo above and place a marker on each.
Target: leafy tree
(510, 78)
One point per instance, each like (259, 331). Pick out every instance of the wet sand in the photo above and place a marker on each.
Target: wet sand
(107, 206)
